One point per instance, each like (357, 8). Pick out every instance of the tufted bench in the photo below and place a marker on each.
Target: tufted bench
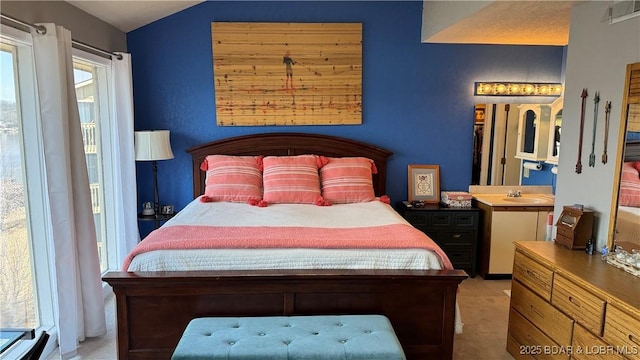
(333, 337)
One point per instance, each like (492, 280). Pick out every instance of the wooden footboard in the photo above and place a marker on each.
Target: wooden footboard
(154, 308)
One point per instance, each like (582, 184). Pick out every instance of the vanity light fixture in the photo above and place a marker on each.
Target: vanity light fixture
(517, 89)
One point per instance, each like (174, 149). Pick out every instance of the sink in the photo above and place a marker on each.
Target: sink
(524, 200)
(527, 200)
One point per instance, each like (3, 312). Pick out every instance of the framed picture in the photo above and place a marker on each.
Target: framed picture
(424, 183)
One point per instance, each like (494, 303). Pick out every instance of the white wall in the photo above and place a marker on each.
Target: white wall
(439, 15)
(85, 28)
(597, 56)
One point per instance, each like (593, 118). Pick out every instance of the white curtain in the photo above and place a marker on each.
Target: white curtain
(124, 153)
(80, 303)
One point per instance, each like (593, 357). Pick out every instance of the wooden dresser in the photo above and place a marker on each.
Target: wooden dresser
(568, 305)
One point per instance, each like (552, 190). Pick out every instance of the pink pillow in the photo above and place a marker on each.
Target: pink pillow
(347, 180)
(233, 178)
(291, 179)
(629, 186)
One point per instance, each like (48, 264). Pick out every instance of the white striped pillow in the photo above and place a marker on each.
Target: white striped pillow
(233, 178)
(348, 180)
(291, 179)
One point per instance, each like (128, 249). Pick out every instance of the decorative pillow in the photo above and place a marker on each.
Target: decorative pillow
(629, 186)
(233, 178)
(348, 180)
(291, 179)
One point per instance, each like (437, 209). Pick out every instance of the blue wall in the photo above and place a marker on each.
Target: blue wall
(543, 176)
(417, 98)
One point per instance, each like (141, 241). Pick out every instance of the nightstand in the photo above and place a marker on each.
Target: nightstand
(157, 218)
(455, 230)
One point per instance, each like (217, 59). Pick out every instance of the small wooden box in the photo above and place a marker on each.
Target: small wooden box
(574, 227)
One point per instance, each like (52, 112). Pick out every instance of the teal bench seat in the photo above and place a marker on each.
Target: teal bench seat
(318, 337)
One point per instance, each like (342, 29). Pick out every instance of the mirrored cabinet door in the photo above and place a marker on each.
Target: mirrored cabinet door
(555, 130)
(533, 128)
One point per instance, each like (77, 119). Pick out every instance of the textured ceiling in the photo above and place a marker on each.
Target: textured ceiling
(512, 22)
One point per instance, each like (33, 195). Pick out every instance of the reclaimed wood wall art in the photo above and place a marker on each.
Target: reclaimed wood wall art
(287, 73)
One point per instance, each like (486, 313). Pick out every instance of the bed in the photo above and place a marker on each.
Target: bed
(153, 307)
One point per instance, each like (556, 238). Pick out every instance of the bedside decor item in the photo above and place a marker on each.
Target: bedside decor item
(152, 146)
(147, 209)
(455, 198)
(166, 210)
(424, 183)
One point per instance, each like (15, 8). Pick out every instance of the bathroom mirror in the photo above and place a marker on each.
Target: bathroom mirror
(624, 229)
(500, 132)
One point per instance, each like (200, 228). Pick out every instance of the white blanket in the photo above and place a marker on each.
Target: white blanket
(336, 216)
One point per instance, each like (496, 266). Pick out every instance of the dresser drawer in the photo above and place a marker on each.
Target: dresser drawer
(458, 257)
(417, 219)
(525, 341)
(442, 219)
(467, 219)
(534, 275)
(542, 314)
(586, 346)
(623, 331)
(583, 306)
(456, 238)
(563, 231)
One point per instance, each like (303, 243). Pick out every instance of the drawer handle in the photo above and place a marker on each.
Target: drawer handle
(574, 301)
(532, 274)
(457, 236)
(634, 339)
(533, 308)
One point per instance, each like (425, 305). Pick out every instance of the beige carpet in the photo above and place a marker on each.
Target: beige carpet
(484, 306)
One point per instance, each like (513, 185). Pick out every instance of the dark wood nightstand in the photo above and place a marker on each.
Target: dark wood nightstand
(157, 218)
(455, 230)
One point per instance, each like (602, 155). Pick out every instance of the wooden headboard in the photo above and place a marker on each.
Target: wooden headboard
(287, 144)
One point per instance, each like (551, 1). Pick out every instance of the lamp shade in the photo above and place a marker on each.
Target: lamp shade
(152, 145)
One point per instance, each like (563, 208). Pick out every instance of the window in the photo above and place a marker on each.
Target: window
(25, 289)
(91, 75)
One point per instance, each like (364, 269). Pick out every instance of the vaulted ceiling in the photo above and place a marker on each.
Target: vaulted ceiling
(470, 22)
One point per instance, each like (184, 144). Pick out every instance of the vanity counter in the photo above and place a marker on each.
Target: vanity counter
(537, 196)
(507, 218)
(538, 200)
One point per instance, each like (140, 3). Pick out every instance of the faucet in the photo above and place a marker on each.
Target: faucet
(514, 193)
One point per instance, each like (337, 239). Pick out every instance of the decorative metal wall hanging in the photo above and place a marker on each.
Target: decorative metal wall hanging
(607, 112)
(583, 95)
(592, 156)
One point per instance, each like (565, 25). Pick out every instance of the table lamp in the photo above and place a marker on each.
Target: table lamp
(153, 145)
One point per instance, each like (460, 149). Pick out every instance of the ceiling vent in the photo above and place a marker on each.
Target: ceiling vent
(623, 10)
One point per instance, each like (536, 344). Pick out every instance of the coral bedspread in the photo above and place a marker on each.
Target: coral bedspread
(181, 237)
